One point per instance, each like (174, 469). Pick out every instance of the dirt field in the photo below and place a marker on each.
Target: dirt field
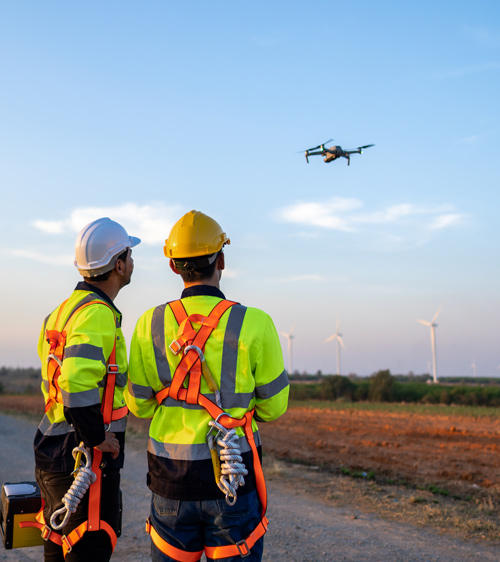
(455, 454)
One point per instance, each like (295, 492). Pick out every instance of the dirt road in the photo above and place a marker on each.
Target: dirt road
(303, 528)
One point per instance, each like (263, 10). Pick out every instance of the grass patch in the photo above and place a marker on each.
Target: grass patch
(426, 409)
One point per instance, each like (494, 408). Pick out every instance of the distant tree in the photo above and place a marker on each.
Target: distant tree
(337, 386)
(381, 387)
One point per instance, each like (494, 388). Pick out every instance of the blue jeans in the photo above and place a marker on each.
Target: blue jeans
(192, 525)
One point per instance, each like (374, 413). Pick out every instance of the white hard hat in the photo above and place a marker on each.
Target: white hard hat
(98, 243)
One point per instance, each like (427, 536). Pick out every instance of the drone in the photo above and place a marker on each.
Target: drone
(334, 152)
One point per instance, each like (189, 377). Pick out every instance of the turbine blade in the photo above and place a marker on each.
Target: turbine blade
(331, 338)
(341, 341)
(424, 322)
(338, 323)
(437, 313)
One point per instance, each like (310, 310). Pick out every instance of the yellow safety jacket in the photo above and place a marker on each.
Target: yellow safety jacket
(244, 356)
(75, 416)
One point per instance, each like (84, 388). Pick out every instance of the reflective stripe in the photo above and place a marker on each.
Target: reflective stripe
(158, 337)
(60, 428)
(230, 355)
(81, 399)
(119, 425)
(121, 380)
(193, 452)
(140, 392)
(84, 351)
(272, 388)
(240, 400)
(90, 297)
(45, 322)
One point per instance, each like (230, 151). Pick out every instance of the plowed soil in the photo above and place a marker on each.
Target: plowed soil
(459, 455)
(454, 454)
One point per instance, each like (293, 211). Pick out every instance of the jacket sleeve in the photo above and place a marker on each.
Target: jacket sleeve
(143, 378)
(88, 347)
(271, 379)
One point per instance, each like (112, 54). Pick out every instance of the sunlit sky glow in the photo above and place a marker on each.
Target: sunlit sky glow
(144, 111)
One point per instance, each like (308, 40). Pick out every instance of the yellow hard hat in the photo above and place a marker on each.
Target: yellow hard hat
(195, 234)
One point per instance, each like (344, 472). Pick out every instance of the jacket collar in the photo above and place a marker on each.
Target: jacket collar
(84, 286)
(205, 290)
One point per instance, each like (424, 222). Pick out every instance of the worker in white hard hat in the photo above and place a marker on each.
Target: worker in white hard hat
(84, 373)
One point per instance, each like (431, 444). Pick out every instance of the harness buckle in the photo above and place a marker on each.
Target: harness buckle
(175, 347)
(68, 546)
(46, 532)
(244, 552)
(113, 368)
(55, 358)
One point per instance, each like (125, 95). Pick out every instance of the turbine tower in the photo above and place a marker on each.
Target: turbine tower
(289, 337)
(337, 336)
(474, 370)
(432, 324)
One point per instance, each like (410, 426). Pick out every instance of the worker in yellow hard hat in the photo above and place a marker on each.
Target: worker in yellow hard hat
(205, 369)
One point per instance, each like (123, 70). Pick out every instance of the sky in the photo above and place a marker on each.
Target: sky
(143, 111)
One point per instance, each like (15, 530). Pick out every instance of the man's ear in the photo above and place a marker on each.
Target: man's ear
(172, 266)
(221, 261)
(120, 267)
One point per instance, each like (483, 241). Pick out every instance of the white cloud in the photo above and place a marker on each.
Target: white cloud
(230, 273)
(303, 278)
(44, 258)
(482, 36)
(324, 215)
(151, 222)
(444, 221)
(51, 227)
(392, 227)
(469, 140)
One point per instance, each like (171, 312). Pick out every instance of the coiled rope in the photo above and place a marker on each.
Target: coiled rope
(84, 478)
(232, 468)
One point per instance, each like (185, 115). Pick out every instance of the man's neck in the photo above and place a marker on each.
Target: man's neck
(213, 281)
(108, 287)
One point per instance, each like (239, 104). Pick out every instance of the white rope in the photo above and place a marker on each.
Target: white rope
(232, 468)
(84, 478)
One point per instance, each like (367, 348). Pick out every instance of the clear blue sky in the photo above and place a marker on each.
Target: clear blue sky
(142, 111)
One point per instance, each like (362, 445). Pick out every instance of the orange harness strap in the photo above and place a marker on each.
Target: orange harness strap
(190, 362)
(57, 342)
(94, 522)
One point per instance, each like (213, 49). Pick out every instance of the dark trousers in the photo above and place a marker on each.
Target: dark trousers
(95, 546)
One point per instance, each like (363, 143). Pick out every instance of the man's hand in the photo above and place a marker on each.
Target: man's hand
(110, 445)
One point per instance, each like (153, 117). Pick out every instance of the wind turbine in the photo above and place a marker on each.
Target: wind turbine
(432, 324)
(337, 336)
(289, 337)
(474, 371)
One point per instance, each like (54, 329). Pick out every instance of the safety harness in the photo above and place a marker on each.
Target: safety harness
(192, 364)
(57, 341)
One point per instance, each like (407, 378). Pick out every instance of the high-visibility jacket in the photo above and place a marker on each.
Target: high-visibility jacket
(244, 356)
(91, 335)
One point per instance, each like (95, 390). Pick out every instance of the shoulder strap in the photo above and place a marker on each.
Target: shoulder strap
(190, 362)
(57, 342)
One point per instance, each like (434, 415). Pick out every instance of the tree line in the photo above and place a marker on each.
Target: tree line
(384, 387)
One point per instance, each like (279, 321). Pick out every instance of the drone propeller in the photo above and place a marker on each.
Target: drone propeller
(319, 145)
(366, 146)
